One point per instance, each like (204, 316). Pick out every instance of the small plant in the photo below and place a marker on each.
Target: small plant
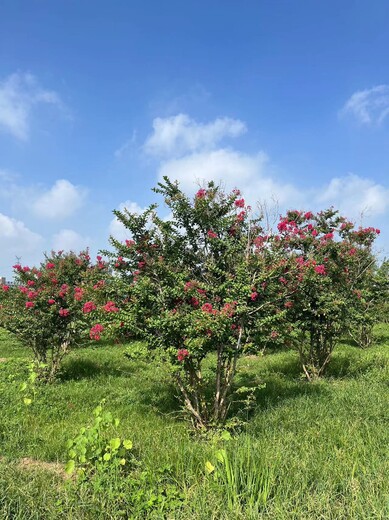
(93, 451)
(246, 483)
(28, 388)
(106, 465)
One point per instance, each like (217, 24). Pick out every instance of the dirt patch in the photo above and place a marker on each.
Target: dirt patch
(52, 467)
(3, 359)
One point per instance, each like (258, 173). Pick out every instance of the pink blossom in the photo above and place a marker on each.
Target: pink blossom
(30, 283)
(211, 234)
(5, 288)
(88, 307)
(63, 312)
(110, 307)
(51, 301)
(129, 243)
(95, 331)
(308, 215)
(239, 203)
(50, 265)
(274, 334)
(320, 269)
(289, 305)
(194, 302)
(314, 233)
(182, 353)
(29, 305)
(254, 296)
(207, 307)
(201, 193)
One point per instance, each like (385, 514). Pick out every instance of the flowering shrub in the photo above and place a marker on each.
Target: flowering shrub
(49, 308)
(327, 265)
(198, 286)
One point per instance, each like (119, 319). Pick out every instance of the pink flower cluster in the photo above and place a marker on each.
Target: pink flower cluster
(182, 353)
(88, 307)
(110, 307)
(211, 234)
(201, 194)
(95, 331)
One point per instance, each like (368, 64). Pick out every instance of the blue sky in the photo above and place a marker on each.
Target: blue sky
(287, 100)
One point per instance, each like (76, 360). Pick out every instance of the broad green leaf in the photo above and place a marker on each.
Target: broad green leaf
(127, 444)
(114, 443)
(69, 468)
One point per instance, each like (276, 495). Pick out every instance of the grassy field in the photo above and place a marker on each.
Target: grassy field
(308, 451)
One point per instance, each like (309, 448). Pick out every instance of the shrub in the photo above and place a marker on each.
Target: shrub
(46, 307)
(199, 284)
(329, 265)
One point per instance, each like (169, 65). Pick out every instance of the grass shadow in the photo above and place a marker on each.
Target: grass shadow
(77, 368)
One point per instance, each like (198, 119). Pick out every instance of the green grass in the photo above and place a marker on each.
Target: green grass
(320, 451)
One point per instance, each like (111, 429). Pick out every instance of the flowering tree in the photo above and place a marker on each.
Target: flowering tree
(50, 309)
(199, 285)
(329, 266)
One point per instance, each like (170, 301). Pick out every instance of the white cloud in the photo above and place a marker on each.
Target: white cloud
(177, 135)
(369, 106)
(61, 201)
(69, 240)
(19, 93)
(354, 196)
(250, 173)
(116, 228)
(16, 240)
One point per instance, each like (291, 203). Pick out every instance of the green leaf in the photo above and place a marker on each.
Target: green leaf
(114, 443)
(209, 467)
(127, 444)
(107, 456)
(69, 468)
(23, 386)
(27, 401)
(226, 435)
(122, 462)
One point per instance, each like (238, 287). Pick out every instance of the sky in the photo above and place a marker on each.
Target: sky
(287, 100)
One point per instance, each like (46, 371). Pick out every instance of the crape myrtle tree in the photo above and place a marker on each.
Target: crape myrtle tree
(50, 307)
(330, 265)
(372, 296)
(199, 284)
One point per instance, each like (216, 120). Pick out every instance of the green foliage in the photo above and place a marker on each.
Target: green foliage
(197, 285)
(328, 265)
(46, 308)
(92, 451)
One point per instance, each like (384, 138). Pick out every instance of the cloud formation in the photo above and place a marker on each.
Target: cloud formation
(369, 106)
(19, 94)
(116, 228)
(17, 240)
(61, 201)
(70, 240)
(355, 196)
(177, 135)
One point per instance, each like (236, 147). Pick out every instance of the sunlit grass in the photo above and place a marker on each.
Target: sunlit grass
(321, 449)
